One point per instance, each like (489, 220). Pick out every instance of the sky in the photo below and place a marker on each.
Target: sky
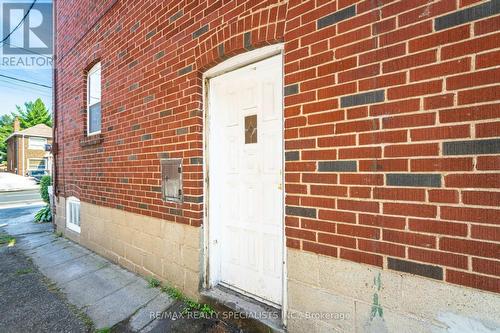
(13, 92)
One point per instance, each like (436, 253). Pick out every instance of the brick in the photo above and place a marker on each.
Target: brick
(399, 194)
(438, 257)
(485, 94)
(381, 54)
(291, 90)
(361, 179)
(443, 196)
(438, 227)
(336, 17)
(381, 247)
(466, 214)
(433, 272)
(383, 165)
(477, 112)
(406, 33)
(382, 137)
(382, 81)
(383, 221)
(338, 166)
(300, 234)
(485, 130)
(361, 257)
(488, 163)
(440, 38)
(488, 59)
(486, 26)
(429, 149)
(185, 70)
(319, 154)
(360, 206)
(337, 216)
(472, 147)
(337, 240)
(409, 238)
(337, 140)
(356, 126)
(486, 266)
(481, 198)
(438, 102)
(358, 231)
(477, 78)
(417, 210)
(440, 70)
(409, 61)
(292, 156)
(363, 152)
(416, 89)
(408, 105)
(319, 178)
(473, 281)
(360, 192)
(465, 246)
(473, 46)
(417, 180)
(440, 133)
(485, 232)
(300, 211)
(371, 97)
(467, 15)
(319, 248)
(429, 10)
(473, 180)
(318, 225)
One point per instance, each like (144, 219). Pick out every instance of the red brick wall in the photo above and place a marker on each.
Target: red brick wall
(391, 120)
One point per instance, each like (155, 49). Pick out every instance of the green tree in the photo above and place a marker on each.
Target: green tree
(6, 129)
(34, 113)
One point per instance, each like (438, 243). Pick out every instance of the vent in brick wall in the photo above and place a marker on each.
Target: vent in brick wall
(171, 179)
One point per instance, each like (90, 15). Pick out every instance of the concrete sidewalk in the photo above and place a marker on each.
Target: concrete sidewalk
(107, 293)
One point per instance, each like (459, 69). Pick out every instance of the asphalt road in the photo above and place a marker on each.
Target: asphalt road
(20, 197)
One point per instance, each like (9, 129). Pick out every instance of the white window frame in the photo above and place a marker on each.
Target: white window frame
(93, 70)
(39, 159)
(72, 206)
(36, 147)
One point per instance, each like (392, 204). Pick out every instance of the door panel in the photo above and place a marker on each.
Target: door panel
(246, 198)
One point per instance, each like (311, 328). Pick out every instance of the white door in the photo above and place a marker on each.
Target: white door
(245, 179)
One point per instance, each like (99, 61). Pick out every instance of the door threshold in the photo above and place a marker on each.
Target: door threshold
(263, 316)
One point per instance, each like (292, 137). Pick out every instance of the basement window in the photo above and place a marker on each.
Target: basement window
(73, 214)
(94, 100)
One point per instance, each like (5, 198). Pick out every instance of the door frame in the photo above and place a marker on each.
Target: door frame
(231, 64)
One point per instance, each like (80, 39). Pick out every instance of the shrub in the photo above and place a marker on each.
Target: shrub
(45, 182)
(44, 215)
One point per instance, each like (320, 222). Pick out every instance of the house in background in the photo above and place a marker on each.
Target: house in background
(26, 149)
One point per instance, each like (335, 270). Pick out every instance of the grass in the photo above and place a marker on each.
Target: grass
(191, 305)
(7, 239)
(153, 283)
(103, 330)
(24, 271)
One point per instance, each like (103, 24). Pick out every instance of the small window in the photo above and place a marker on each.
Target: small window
(37, 143)
(73, 214)
(37, 164)
(94, 100)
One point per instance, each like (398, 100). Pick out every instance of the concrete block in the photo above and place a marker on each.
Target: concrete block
(303, 267)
